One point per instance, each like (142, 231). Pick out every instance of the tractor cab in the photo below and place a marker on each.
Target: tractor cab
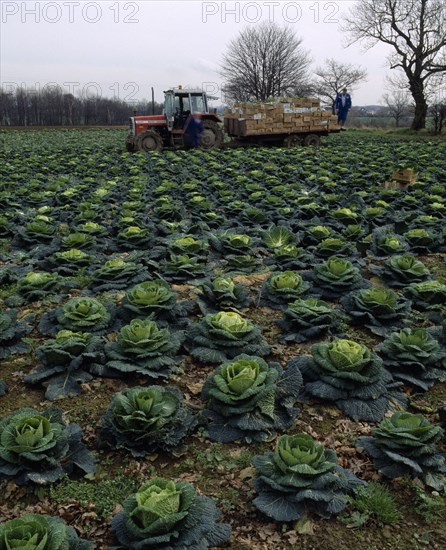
(152, 133)
(179, 104)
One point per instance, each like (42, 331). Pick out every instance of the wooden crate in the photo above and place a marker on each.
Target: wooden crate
(405, 176)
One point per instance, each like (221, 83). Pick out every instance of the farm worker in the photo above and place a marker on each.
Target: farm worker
(194, 129)
(343, 105)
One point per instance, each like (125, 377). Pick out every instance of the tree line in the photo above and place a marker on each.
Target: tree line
(52, 107)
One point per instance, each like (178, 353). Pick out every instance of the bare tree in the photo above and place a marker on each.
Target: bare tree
(335, 76)
(397, 105)
(415, 30)
(264, 61)
(397, 99)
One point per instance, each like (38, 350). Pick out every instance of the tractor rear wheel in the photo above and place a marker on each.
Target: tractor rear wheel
(211, 136)
(313, 140)
(149, 141)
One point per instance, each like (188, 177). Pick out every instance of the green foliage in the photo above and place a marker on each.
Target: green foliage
(11, 333)
(154, 298)
(116, 274)
(142, 348)
(35, 286)
(78, 314)
(222, 294)
(431, 506)
(427, 294)
(276, 237)
(373, 501)
(103, 493)
(401, 270)
(386, 243)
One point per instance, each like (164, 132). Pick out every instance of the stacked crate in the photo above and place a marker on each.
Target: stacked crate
(285, 116)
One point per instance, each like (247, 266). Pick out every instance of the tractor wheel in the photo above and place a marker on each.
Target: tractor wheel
(149, 141)
(292, 141)
(312, 139)
(211, 136)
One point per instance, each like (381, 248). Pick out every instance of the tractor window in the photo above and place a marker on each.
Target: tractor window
(169, 111)
(176, 106)
(186, 104)
(198, 104)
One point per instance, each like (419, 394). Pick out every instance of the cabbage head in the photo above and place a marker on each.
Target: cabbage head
(379, 309)
(307, 319)
(144, 348)
(336, 276)
(283, 287)
(224, 335)
(414, 357)
(247, 398)
(81, 314)
(169, 515)
(301, 474)
(145, 420)
(39, 447)
(405, 444)
(39, 532)
(350, 375)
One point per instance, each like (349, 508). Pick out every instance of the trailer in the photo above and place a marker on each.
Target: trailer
(287, 122)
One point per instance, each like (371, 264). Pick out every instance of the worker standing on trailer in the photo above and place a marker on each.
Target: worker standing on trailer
(343, 105)
(194, 129)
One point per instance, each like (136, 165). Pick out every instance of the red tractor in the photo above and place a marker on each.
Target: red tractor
(152, 133)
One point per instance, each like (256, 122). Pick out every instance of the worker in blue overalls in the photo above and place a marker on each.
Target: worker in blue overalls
(343, 105)
(193, 131)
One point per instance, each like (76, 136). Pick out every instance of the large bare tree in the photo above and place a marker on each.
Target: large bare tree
(415, 30)
(264, 61)
(334, 76)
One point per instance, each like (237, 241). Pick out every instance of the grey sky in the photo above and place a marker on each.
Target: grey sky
(123, 48)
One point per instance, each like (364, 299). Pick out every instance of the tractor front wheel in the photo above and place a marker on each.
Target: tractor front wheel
(313, 140)
(149, 141)
(211, 136)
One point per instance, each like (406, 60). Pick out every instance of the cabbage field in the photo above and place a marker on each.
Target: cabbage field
(241, 348)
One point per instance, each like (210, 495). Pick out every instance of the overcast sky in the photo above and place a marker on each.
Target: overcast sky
(121, 49)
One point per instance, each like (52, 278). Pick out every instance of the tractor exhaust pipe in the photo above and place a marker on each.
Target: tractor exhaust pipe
(153, 102)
